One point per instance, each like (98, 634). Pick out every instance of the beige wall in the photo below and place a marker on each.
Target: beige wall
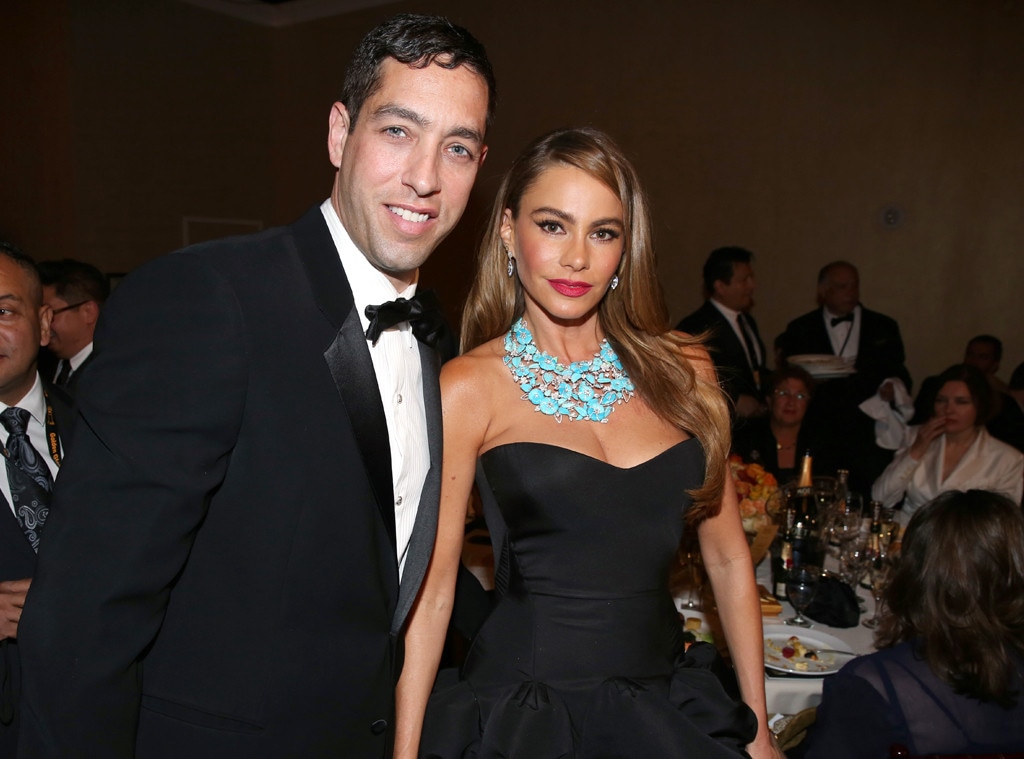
(786, 127)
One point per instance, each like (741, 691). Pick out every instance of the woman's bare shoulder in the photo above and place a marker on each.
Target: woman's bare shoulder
(474, 370)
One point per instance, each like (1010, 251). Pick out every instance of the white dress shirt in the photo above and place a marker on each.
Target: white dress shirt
(396, 363)
(733, 318)
(845, 336)
(988, 464)
(75, 361)
(35, 403)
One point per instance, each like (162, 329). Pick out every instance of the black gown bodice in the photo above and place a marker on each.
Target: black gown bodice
(582, 655)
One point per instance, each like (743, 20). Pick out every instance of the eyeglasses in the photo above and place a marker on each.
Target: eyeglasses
(787, 394)
(62, 309)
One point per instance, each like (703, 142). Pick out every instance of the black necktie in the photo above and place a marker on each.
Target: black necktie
(27, 475)
(423, 313)
(840, 319)
(63, 372)
(752, 356)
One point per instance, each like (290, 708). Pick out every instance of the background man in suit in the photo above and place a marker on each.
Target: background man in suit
(253, 497)
(29, 412)
(871, 342)
(75, 291)
(733, 339)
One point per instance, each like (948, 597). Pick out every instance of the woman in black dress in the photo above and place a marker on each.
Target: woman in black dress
(594, 433)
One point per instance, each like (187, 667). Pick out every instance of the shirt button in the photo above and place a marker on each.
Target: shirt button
(398, 502)
(399, 397)
(378, 726)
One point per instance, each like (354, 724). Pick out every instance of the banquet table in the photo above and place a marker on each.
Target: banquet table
(789, 694)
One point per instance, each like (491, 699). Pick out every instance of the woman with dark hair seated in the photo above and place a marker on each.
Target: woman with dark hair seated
(947, 678)
(778, 440)
(952, 450)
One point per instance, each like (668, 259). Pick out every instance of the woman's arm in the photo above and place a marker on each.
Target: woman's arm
(464, 428)
(892, 483)
(726, 555)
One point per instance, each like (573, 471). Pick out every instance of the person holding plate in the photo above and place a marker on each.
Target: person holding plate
(593, 433)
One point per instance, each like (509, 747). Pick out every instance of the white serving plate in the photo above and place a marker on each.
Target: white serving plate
(777, 636)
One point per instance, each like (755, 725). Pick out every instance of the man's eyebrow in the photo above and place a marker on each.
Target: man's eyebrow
(392, 109)
(407, 114)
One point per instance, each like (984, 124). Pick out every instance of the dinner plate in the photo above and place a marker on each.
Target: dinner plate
(776, 637)
(822, 365)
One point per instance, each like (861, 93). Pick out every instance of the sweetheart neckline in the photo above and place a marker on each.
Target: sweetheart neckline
(588, 456)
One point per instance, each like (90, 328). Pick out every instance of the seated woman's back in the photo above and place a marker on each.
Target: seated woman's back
(950, 673)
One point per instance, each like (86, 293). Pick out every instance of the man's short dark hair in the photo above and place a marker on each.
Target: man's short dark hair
(995, 342)
(75, 281)
(418, 41)
(24, 260)
(719, 266)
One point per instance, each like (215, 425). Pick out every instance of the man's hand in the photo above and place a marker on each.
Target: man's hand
(12, 599)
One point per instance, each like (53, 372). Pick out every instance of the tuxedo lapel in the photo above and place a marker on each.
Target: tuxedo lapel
(348, 358)
(352, 368)
(421, 544)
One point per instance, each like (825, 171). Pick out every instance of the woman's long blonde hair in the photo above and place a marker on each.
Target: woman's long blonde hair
(633, 315)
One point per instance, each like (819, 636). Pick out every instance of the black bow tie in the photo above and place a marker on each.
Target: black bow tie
(840, 319)
(423, 312)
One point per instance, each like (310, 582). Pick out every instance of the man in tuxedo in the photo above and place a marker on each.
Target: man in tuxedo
(253, 498)
(732, 336)
(75, 291)
(871, 342)
(30, 412)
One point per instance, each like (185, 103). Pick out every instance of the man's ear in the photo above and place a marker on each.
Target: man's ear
(337, 132)
(90, 311)
(45, 317)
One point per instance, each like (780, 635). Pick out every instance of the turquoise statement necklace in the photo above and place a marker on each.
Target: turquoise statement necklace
(583, 390)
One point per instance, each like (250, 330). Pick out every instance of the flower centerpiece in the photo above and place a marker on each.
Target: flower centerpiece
(758, 492)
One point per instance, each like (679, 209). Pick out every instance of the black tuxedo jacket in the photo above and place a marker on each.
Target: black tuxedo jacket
(726, 350)
(880, 351)
(218, 577)
(18, 562)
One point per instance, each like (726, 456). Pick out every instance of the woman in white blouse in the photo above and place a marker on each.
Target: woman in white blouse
(952, 450)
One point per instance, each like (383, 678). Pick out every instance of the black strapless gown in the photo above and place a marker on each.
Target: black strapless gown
(582, 655)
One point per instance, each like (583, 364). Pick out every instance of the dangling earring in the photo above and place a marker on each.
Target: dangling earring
(511, 269)
(614, 283)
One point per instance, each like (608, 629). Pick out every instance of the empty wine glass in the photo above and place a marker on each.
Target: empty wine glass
(801, 585)
(878, 567)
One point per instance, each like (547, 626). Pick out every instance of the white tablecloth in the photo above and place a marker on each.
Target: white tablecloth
(789, 695)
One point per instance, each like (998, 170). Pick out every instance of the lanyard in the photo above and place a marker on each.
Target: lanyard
(52, 438)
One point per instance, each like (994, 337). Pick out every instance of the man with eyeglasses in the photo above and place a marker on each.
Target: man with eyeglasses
(75, 291)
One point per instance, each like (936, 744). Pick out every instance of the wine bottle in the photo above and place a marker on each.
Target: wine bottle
(783, 562)
(874, 540)
(806, 540)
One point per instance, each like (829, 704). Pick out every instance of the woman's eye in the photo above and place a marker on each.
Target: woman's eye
(551, 227)
(606, 234)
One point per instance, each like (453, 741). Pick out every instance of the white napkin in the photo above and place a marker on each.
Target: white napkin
(890, 419)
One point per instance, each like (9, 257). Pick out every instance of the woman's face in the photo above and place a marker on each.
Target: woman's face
(788, 402)
(954, 404)
(567, 241)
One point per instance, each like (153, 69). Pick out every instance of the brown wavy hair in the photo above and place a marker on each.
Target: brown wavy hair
(633, 316)
(958, 591)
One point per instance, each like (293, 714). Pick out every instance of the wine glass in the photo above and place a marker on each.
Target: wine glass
(853, 565)
(801, 585)
(879, 569)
